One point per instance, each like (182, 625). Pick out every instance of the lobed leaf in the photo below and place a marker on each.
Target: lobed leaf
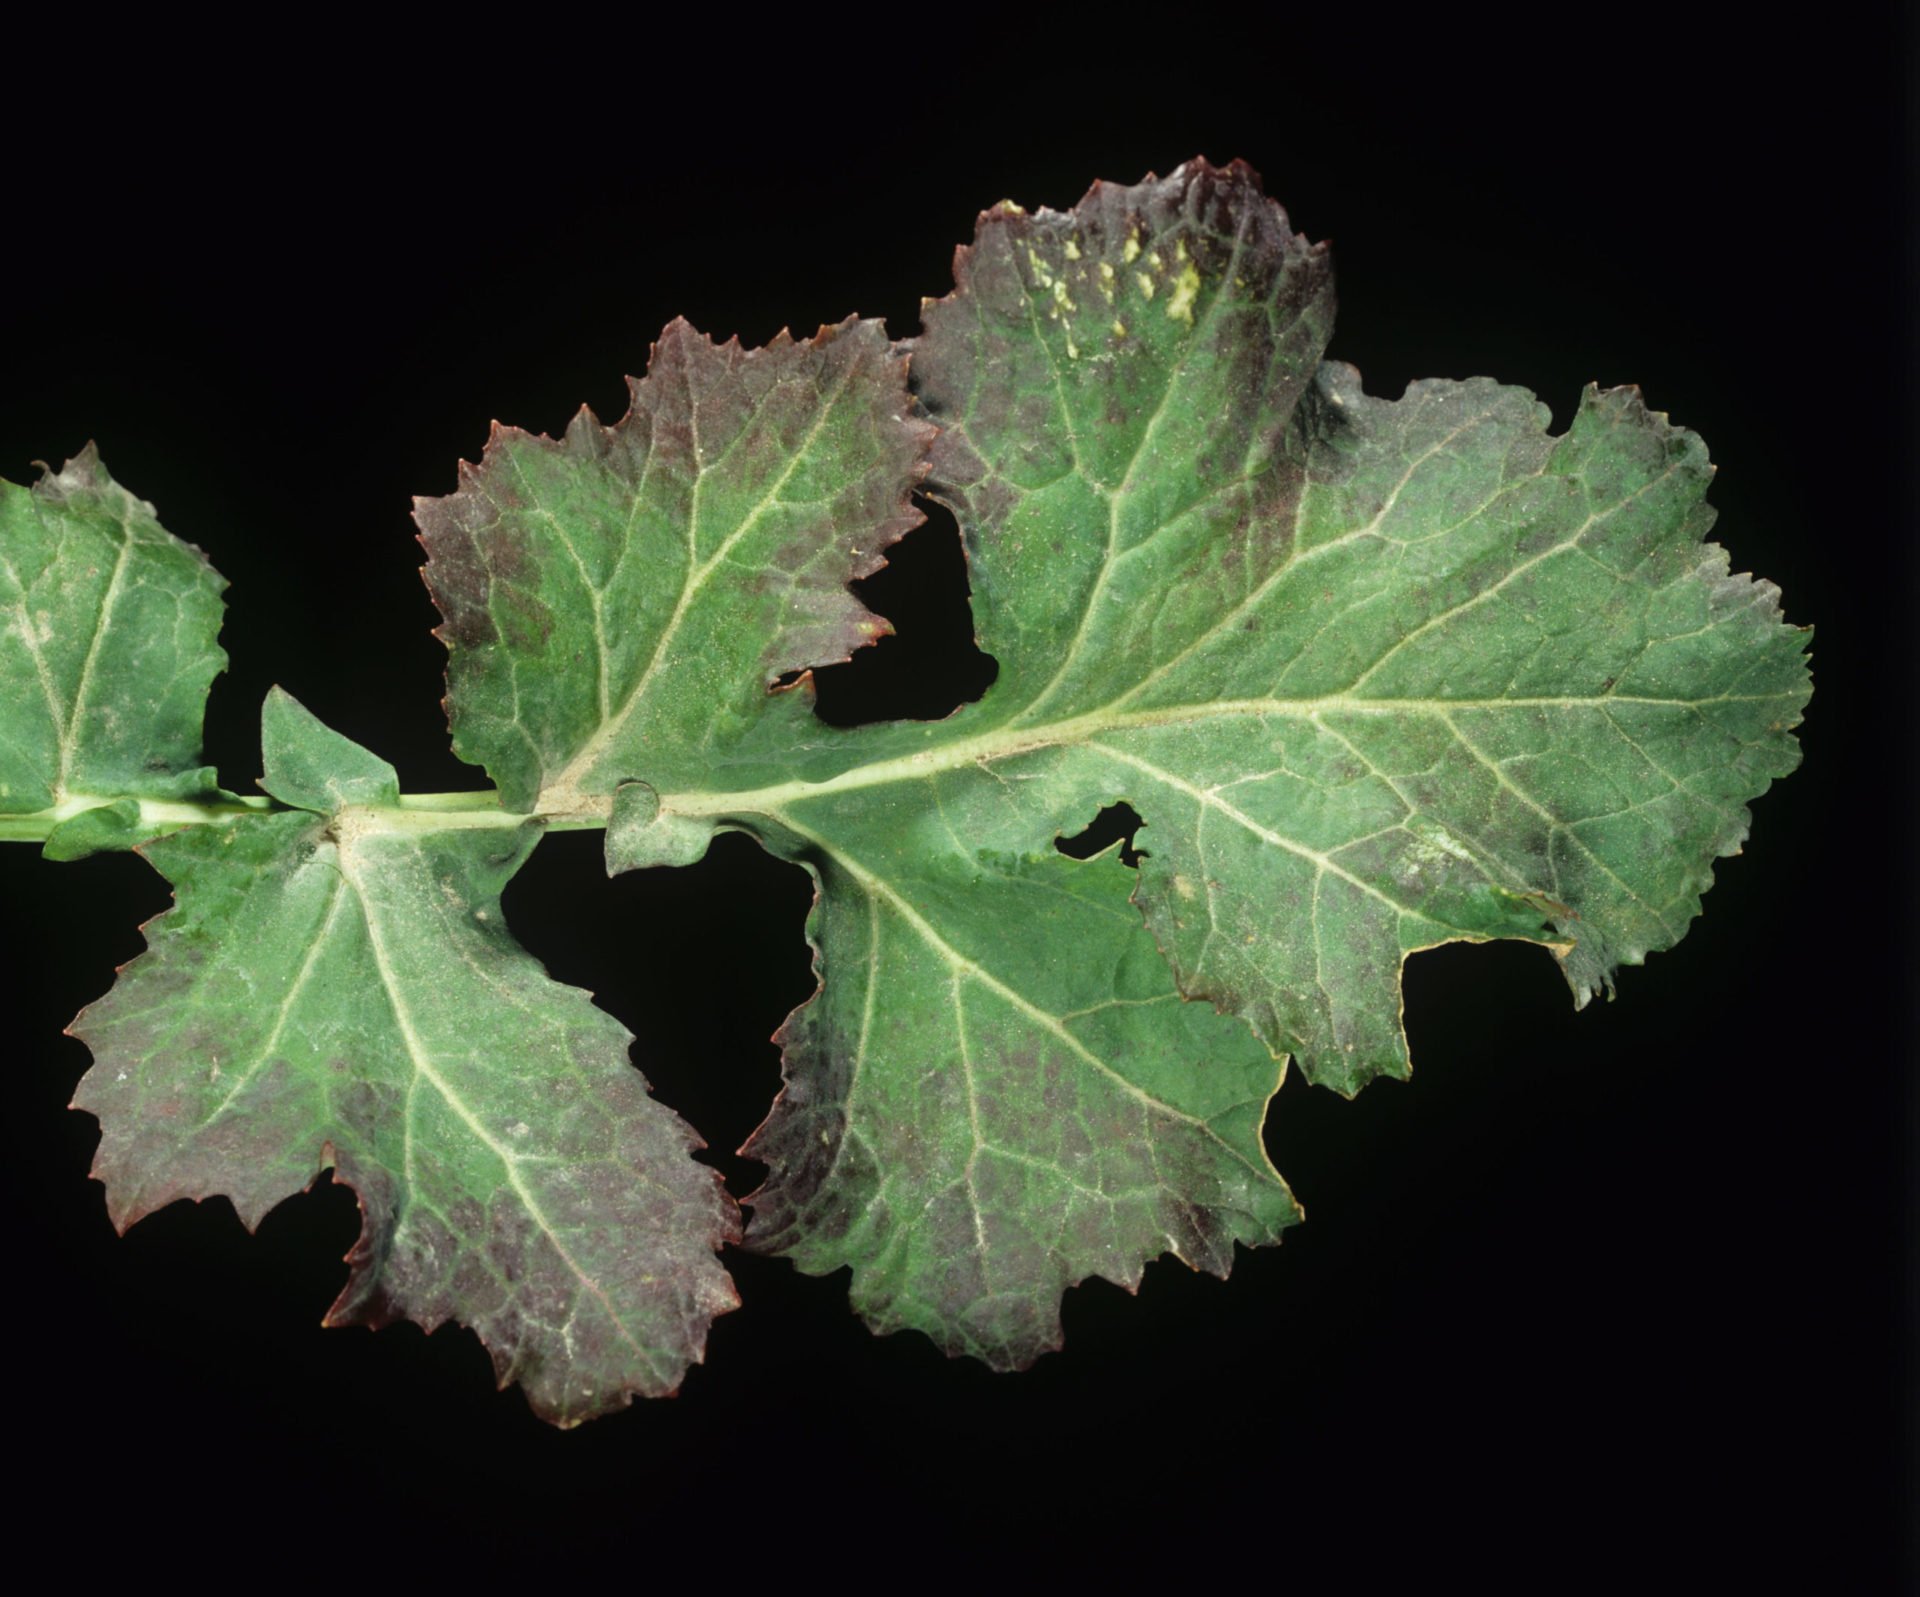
(998, 1093)
(1377, 675)
(335, 989)
(619, 600)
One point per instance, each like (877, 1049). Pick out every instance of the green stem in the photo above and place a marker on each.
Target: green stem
(572, 811)
(415, 812)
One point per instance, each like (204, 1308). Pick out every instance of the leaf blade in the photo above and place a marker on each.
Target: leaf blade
(783, 471)
(1385, 565)
(512, 1170)
(1376, 675)
(108, 647)
(998, 1128)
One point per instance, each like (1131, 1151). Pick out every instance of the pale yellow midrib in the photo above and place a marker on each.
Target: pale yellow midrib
(1007, 742)
(435, 812)
(611, 725)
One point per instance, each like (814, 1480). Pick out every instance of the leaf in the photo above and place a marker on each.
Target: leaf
(1377, 675)
(619, 600)
(975, 1123)
(1380, 675)
(107, 649)
(309, 766)
(337, 989)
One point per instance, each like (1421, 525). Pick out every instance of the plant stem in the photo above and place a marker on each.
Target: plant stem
(414, 812)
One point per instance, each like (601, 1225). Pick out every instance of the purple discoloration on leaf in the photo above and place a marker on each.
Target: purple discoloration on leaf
(320, 997)
(719, 521)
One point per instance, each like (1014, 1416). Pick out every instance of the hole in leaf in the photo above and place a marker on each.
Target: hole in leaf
(1116, 821)
(930, 666)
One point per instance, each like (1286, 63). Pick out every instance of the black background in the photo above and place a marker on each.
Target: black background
(1618, 1293)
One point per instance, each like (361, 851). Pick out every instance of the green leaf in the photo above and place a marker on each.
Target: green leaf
(1377, 675)
(107, 649)
(339, 991)
(998, 1093)
(312, 767)
(618, 601)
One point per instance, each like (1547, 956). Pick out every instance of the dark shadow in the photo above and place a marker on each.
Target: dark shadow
(931, 665)
(700, 963)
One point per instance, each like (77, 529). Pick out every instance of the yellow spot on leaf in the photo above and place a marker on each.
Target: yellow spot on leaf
(1073, 249)
(1185, 287)
(1119, 329)
(1130, 251)
(1060, 294)
(1145, 282)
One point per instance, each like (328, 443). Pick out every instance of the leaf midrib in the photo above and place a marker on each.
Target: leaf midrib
(694, 580)
(1008, 742)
